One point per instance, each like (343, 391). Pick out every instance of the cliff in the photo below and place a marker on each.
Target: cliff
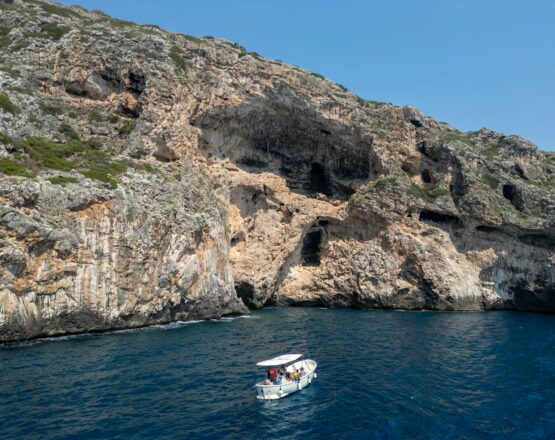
(147, 176)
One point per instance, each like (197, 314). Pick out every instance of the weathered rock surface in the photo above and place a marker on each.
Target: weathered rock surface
(150, 176)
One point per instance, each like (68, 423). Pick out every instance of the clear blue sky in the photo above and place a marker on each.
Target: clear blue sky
(472, 63)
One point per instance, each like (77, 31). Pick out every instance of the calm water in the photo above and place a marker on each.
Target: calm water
(382, 375)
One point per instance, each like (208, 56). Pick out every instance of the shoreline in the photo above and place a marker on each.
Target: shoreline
(232, 316)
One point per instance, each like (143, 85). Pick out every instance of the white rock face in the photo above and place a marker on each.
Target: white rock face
(148, 177)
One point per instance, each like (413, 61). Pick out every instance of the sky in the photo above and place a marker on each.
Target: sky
(471, 63)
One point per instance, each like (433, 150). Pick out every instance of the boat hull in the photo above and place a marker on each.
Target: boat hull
(278, 391)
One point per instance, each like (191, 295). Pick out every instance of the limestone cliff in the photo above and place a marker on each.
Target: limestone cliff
(147, 176)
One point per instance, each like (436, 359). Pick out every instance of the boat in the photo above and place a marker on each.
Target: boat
(285, 374)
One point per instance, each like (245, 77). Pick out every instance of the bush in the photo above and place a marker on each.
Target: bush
(49, 108)
(61, 180)
(427, 194)
(56, 163)
(68, 131)
(7, 105)
(127, 127)
(52, 30)
(181, 64)
(5, 41)
(148, 168)
(96, 116)
(5, 139)
(461, 137)
(85, 156)
(101, 176)
(13, 168)
(57, 10)
(490, 181)
(317, 75)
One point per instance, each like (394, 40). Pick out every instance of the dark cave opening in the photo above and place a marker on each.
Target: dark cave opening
(319, 180)
(311, 248)
(512, 194)
(485, 228)
(439, 217)
(509, 192)
(426, 176)
(245, 291)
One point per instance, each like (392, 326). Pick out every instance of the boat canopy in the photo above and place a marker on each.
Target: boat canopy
(280, 360)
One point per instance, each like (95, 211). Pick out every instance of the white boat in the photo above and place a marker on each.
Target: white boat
(296, 374)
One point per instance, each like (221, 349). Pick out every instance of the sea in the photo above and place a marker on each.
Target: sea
(381, 375)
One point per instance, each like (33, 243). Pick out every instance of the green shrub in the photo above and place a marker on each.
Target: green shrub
(461, 137)
(127, 127)
(490, 181)
(49, 108)
(437, 192)
(67, 156)
(56, 163)
(113, 118)
(256, 55)
(5, 41)
(5, 139)
(101, 176)
(192, 38)
(13, 168)
(148, 168)
(56, 10)
(427, 194)
(117, 23)
(61, 180)
(96, 116)
(181, 64)
(68, 131)
(14, 73)
(52, 30)
(7, 105)
(176, 176)
(22, 90)
(317, 75)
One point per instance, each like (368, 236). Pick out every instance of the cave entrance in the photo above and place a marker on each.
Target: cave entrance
(245, 291)
(426, 176)
(509, 192)
(318, 180)
(513, 195)
(311, 250)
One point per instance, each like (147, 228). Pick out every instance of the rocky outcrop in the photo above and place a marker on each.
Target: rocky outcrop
(147, 176)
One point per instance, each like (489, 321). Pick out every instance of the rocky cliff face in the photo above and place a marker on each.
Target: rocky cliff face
(147, 176)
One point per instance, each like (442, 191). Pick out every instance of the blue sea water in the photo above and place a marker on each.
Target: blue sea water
(381, 375)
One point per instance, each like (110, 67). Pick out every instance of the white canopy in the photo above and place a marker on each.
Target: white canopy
(280, 360)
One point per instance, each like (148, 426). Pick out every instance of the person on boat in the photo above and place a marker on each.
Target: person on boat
(302, 371)
(272, 374)
(282, 370)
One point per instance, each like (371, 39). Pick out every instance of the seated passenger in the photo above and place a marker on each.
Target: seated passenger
(302, 371)
(272, 374)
